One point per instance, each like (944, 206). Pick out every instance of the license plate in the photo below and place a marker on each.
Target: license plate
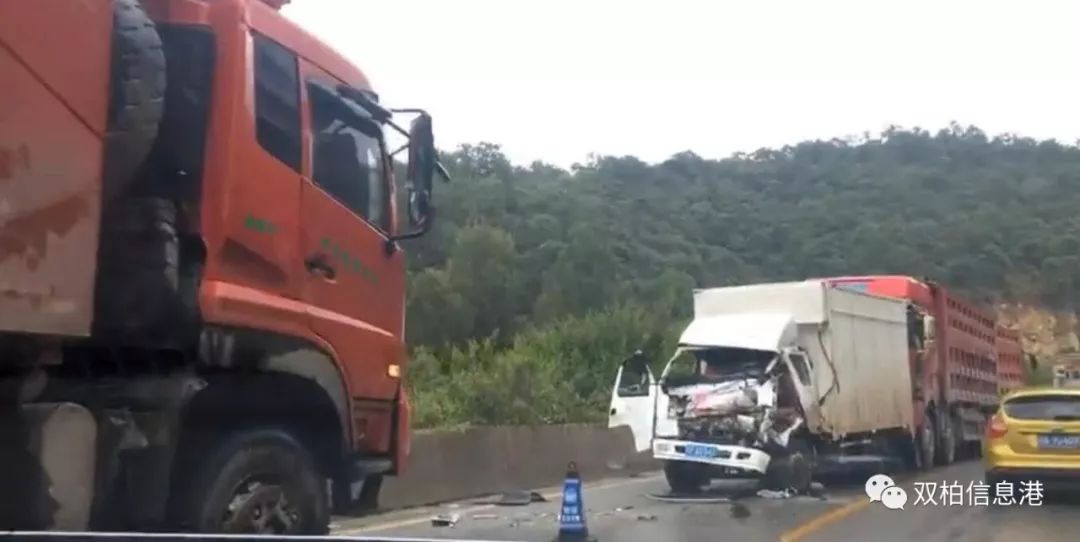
(694, 450)
(1058, 442)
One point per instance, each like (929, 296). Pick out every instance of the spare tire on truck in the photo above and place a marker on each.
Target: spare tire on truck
(138, 252)
(136, 96)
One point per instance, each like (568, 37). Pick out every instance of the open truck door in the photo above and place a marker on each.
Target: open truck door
(633, 400)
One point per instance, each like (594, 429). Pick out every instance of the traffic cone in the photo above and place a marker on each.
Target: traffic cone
(572, 515)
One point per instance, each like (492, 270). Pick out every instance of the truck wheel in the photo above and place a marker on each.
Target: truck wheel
(257, 482)
(927, 442)
(682, 477)
(946, 450)
(794, 470)
(136, 96)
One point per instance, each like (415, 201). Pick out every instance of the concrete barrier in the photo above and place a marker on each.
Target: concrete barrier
(457, 464)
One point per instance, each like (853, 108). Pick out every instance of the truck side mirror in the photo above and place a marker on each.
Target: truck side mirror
(421, 170)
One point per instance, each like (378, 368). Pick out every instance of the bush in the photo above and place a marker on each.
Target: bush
(559, 373)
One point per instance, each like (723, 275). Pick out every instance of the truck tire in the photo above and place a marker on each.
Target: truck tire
(138, 272)
(946, 448)
(259, 481)
(927, 442)
(792, 470)
(683, 478)
(136, 96)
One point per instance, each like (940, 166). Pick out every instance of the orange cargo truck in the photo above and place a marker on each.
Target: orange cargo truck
(201, 282)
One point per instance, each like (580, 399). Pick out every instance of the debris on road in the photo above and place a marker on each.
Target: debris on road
(445, 520)
(518, 498)
(817, 489)
(739, 511)
(514, 498)
(518, 520)
(485, 516)
(773, 494)
(688, 499)
(624, 508)
(648, 517)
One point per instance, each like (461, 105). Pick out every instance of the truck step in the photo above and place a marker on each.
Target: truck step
(831, 465)
(364, 466)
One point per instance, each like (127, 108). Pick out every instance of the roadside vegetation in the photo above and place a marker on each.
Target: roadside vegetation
(538, 281)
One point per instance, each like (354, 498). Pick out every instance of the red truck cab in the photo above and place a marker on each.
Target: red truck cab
(202, 267)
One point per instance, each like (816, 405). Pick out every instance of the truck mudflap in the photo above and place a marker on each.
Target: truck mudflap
(720, 455)
(48, 464)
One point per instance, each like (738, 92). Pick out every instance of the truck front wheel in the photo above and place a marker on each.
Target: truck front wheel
(683, 477)
(792, 469)
(257, 482)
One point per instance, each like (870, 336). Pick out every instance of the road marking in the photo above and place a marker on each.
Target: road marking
(549, 495)
(837, 514)
(819, 522)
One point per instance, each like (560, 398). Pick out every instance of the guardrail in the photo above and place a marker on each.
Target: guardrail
(456, 464)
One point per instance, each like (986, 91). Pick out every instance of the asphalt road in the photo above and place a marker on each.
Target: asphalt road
(622, 510)
(1055, 517)
(619, 509)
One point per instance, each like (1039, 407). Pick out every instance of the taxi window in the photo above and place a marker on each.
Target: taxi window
(1044, 407)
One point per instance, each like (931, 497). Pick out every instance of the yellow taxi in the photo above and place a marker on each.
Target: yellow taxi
(1034, 435)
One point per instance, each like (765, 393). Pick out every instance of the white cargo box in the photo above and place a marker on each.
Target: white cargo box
(857, 343)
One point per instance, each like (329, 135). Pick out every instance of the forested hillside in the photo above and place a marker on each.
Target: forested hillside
(536, 281)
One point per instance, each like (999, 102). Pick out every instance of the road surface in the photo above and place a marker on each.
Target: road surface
(622, 510)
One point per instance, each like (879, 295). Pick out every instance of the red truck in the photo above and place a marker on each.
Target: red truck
(201, 277)
(967, 361)
(1010, 360)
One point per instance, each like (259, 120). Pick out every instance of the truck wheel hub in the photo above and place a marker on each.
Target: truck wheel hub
(260, 508)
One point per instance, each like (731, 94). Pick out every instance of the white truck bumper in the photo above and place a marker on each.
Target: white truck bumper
(720, 455)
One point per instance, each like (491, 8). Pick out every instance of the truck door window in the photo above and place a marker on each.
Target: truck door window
(802, 367)
(277, 101)
(633, 381)
(348, 160)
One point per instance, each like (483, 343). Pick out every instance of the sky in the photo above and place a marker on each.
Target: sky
(556, 80)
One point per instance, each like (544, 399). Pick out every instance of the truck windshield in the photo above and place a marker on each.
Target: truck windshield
(717, 365)
(727, 363)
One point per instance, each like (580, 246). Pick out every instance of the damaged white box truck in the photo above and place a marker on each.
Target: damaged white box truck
(775, 381)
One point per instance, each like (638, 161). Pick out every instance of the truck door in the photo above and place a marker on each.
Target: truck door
(354, 286)
(799, 365)
(633, 401)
